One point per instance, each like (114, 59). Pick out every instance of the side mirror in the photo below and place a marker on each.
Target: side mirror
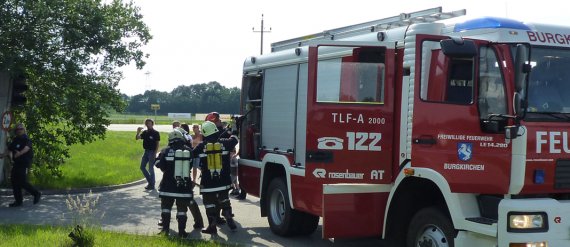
(521, 67)
(519, 104)
(458, 48)
(491, 126)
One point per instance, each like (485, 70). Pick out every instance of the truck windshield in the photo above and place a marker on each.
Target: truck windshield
(549, 83)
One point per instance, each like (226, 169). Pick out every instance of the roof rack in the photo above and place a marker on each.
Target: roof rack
(403, 19)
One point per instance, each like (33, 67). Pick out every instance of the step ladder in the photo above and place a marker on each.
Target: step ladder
(404, 19)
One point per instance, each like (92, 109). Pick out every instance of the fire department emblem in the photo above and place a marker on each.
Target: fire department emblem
(464, 151)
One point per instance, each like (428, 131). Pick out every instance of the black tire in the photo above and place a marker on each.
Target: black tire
(283, 220)
(431, 227)
(308, 223)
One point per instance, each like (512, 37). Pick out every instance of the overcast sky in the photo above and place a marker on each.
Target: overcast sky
(202, 41)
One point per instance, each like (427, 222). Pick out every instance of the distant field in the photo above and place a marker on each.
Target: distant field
(139, 119)
(115, 160)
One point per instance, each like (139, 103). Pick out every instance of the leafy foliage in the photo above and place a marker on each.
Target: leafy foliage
(70, 52)
(82, 237)
(196, 98)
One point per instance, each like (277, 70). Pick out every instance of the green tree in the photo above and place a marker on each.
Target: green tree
(195, 98)
(70, 52)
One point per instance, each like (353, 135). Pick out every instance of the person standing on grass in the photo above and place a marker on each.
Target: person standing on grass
(151, 142)
(21, 153)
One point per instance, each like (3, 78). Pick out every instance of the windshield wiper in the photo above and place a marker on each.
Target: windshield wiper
(557, 115)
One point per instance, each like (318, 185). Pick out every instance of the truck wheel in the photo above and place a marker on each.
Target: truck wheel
(281, 216)
(309, 223)
(431, 228)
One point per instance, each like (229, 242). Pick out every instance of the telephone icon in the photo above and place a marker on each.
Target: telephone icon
(330, 143)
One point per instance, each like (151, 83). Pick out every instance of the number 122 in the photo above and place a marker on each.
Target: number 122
(356, 141)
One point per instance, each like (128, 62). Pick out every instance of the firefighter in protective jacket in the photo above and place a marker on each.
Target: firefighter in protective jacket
(176, 184)
(216, 180)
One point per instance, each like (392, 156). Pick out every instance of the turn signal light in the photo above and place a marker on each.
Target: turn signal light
(409, 172)
(534, 244)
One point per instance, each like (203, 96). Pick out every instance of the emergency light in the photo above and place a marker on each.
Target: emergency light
(539, 176)
(490, 22)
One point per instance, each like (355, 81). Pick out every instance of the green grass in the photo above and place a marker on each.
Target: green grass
(31, 235)
(114, 160)
(139, 119)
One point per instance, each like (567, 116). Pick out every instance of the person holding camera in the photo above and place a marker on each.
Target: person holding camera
(151, 141)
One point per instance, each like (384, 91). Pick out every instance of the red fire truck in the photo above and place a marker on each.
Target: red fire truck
(430, 133)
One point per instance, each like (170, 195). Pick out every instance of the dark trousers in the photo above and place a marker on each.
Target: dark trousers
(166, 204)
(20, 181)
(216, 201)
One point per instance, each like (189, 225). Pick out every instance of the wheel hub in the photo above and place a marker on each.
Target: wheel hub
(277, 207)
(432, 236)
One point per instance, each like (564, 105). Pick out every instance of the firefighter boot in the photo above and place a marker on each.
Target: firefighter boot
(195, 211)
(182, 225)
(212, 228)
(227, 212)
(165, 217)
(219, 219)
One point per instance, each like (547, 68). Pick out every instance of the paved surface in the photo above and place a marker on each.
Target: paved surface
(134, 210)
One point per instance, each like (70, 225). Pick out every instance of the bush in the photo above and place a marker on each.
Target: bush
(82, 237)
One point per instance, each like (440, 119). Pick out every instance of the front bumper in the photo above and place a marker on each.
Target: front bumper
(558, 215)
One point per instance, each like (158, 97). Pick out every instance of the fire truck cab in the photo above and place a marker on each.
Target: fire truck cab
(407, 128)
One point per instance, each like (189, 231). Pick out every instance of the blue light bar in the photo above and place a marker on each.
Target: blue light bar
(490, 22)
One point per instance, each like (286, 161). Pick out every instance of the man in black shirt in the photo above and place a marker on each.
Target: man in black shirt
(151, 141)
(21, 153)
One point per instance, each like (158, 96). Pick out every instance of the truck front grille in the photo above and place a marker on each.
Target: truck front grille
(562, 174)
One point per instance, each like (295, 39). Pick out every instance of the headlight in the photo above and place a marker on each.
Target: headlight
(527, 222)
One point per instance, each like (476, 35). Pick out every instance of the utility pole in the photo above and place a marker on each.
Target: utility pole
(147, 82)
(262, 30)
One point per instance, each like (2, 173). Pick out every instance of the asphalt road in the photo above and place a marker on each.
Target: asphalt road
(137, 211)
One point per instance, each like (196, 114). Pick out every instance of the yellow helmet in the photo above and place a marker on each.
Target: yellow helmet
(175, 134)
(209, 128)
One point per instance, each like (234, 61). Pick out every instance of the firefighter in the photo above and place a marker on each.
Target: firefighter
(214, 117)
(176, 184)
(216, 179)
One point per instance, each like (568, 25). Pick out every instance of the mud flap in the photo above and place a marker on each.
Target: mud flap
(354, 210)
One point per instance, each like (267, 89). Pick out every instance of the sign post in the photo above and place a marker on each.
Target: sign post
(155, 107)
(6, 120)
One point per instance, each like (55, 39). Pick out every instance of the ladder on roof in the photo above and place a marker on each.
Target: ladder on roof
(403, 19)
